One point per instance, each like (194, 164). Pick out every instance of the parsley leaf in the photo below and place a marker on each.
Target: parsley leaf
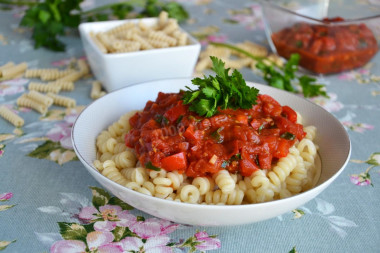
(222, 90)
(50, 19)
(283, 77)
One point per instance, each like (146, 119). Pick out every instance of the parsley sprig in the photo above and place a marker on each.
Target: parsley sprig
(50, 19)
(222, 90)
(284, 77)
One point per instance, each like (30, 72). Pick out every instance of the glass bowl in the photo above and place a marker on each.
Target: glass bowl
(330, 36)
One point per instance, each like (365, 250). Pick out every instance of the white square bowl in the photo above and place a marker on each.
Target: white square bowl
(124, 69)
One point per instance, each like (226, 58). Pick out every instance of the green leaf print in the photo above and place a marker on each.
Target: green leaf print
(122, 232)
(43, 151)
(118, 202)
(293, 250)
(72, 231)
(99, 197)
(5, 207)
(4, 244)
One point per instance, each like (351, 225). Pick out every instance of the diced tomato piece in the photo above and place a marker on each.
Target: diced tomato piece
(289, 113)
(134, 119)
(175, 112)
(268, 99)
(247, 167)
(286, 125)
(272, 109)
(175, 162)
(241, 118)
(265, 161)
(282, 148)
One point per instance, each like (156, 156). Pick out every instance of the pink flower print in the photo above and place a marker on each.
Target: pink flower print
(97, 242)
(156, 244)
(206, 242)
(348, 76)
(214, 38)
(68, 246)
(6, 196)
(153, 227)
(97, 239)
(329, 104)
(363, 179)
(61, 133)
(108, 217)
(357, 127)
(6, 90)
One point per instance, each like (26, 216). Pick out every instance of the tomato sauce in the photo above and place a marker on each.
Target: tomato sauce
(329, 48)
(167, 135)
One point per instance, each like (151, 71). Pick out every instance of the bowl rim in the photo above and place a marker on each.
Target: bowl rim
(311, 191)
(82, 30)
(273, 4)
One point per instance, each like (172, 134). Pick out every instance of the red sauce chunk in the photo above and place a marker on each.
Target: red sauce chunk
(329, 48)
(169, 136)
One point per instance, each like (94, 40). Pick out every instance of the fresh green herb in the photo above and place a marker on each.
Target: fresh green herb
(288, 136)
(179, 119)
(261, 128)
(50, 19)
(223, 90)
(149, 165)
(299, 43)
(283, 77)
(217, 136)
(236, 157)
(162, 120)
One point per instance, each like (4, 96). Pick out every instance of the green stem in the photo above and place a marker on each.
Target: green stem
(108, 6)
(237, 49)
(369, 168)
(19, 3)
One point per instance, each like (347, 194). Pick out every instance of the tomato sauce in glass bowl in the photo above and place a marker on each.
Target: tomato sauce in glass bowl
(327, 48)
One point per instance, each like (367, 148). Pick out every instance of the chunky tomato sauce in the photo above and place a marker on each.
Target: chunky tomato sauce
(167, 135)
(327, 48)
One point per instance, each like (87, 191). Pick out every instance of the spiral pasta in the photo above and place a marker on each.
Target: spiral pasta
(10, 116)
(129, 36)
(289, 176)
(62, 100)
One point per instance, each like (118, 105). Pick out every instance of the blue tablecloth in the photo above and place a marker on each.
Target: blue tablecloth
(44, 188)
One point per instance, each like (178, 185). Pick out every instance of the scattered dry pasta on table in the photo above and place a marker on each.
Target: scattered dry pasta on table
(234, 59)
(10, 116)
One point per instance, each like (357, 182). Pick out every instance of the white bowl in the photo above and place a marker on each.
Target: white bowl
(334, 143)
(123, 69)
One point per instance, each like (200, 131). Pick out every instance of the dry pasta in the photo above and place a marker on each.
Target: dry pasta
(62, 100)
(130, 36)
(291, 175)
(13, 71)
(42, 87)
(39, 97)
(24, 101)
(10, 116)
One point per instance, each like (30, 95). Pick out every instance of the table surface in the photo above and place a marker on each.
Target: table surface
(43, 186)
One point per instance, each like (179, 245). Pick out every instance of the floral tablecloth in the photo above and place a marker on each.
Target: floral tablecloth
(49, 202)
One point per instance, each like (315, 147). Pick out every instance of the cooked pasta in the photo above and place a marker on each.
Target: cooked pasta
(289, 176)
(10, 116)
